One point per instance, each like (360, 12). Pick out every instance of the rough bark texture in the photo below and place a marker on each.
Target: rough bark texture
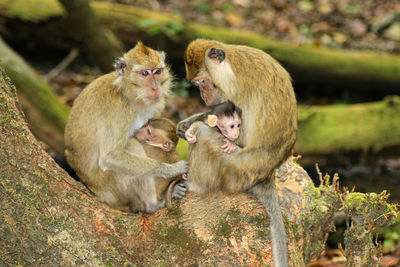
(46, 114)
(49, 219)
(306, 62)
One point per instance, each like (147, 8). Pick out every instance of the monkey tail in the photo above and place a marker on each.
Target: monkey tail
(266, 193)
(168, 194)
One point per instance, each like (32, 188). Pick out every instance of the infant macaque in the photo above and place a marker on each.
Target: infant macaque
(227, 118)
(159, 140)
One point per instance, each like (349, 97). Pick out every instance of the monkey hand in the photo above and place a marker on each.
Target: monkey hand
(190, 137)
(184, 176)
(228, 146)
(170, 170)
(181, 129)
(184, 125)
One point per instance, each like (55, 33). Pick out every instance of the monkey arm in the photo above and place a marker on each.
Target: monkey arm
(131, 159)
(239, 170)
(184, 125)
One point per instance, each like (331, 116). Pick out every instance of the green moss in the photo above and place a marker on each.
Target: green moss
(324, 129)
(31, 10)
(174, 240)
(227, 223)
(224, 229)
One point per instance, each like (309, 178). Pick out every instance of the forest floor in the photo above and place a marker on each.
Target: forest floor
(355, 24)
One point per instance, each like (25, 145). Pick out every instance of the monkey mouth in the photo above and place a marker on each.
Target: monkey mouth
(153, 98)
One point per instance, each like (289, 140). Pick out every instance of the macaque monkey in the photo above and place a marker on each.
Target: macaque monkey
(99, 140)
(226, 117)
(159, 141)
(262, 89)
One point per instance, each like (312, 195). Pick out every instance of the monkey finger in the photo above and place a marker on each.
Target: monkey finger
(184, 176)
(225, 145)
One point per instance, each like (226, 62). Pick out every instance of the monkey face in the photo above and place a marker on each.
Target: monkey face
(151, 80)
(229, 126)
(208, 91)
(154, 137)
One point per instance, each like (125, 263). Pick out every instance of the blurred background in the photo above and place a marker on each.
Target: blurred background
(343, 57)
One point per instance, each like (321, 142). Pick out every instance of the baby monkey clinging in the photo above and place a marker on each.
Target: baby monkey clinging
(159, 141)
(226, 117)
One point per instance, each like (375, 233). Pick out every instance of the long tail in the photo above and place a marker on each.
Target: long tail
(266, 193)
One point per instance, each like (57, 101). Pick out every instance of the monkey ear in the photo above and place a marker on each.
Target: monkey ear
(212, 120)
(120, 65)
(217, 54)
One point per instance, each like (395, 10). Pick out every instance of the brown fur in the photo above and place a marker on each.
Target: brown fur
(103, 119)
(159, 154)
(262, 88)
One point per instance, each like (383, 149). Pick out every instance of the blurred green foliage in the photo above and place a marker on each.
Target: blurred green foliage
(203, 8)
(154, 27)
(181, 88)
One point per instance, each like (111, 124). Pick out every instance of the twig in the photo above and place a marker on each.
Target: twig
(62, 65)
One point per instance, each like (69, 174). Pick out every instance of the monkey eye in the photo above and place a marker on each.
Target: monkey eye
(232, 126)
(199, 81)
(144, 72)
(157, 71)
(239, 125)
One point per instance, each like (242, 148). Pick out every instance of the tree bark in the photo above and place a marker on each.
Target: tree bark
(363, 70)
(47, 218)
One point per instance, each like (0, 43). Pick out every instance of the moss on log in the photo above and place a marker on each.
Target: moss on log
(327, 129)
(45, 113)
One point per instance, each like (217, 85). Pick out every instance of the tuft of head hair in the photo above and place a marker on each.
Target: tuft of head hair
(144, 55)
(167, 125)
(195, 53)
(227, 108)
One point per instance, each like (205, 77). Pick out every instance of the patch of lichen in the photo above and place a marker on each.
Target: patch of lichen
(171, 238)
(261, 221)
(228, 223)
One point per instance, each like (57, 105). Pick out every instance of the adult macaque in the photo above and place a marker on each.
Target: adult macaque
(262, 88)
(103, 119)
(159, 141)
(226, 117)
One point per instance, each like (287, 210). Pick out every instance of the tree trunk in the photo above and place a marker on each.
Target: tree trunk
(360, 70)
(45, 113)
(47, 218)
(99, 43)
